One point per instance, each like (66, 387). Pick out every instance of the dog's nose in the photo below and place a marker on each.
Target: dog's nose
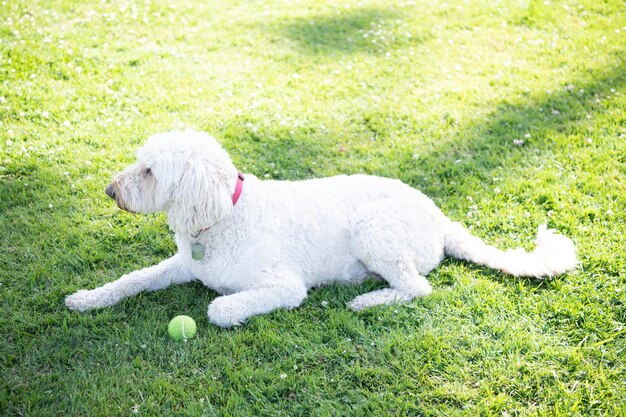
(109, 191)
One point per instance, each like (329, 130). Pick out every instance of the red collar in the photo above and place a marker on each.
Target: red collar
(236, 195)
(238, 188)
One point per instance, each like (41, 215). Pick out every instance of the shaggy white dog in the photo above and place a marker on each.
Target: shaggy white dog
(263, 244)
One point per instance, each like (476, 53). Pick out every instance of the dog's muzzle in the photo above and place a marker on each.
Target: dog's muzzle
(110, 191)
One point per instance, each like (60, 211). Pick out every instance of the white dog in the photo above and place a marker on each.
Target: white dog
(265, 243)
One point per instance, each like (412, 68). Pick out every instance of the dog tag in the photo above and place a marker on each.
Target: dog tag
(197, 251)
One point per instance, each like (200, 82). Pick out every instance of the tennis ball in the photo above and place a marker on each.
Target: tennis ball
(182, 328)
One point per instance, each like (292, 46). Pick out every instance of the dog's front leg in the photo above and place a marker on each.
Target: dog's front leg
(234, 309)
(153, 278)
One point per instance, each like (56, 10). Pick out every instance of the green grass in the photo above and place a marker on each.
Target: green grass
(430, 92)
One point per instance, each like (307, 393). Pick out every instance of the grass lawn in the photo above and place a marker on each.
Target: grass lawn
(509, 114)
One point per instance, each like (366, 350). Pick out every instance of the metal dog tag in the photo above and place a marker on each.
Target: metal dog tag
(197, 251)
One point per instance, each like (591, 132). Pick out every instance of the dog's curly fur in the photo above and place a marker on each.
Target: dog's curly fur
(282, 238)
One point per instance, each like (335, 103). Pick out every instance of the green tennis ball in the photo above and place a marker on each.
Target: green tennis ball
(182, 328)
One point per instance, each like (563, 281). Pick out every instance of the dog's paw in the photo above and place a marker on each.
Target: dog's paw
(224, 313)
(358, 304)
(76, 301)
(82, 300)
(389, 296)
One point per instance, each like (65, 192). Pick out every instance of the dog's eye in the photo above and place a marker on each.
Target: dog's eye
(148, 171)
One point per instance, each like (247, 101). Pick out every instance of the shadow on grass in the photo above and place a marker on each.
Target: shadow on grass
(350, 32)
(487, 143)
(452, 155)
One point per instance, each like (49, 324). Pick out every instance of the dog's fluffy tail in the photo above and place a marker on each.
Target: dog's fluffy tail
(554, 255)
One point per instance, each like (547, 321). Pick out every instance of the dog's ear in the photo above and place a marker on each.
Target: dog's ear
(202, 197)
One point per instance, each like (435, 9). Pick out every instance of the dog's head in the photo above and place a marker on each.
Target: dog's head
(185, 174)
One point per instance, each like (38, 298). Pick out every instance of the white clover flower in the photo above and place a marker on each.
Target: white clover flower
(283, 376)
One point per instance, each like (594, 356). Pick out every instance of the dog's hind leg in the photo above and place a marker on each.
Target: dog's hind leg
(400, 240)
(405, 286)
(153, 278)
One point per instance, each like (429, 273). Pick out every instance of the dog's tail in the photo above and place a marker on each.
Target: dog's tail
(554, 254)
